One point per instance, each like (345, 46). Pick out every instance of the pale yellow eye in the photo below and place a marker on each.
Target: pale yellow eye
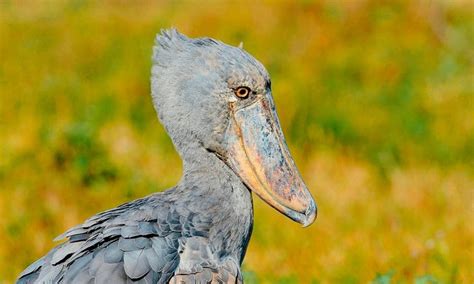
(242, 92)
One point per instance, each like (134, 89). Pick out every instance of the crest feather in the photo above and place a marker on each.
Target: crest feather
(169, 42)
(168, 38)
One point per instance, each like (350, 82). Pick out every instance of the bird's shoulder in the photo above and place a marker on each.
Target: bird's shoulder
(148, 240)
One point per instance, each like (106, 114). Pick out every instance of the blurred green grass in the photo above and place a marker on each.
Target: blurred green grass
(375, 98)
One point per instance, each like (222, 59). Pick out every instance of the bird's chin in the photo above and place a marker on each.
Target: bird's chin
(257, 153)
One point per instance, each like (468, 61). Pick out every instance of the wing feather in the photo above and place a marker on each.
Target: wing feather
(138, 242)
(136, 264)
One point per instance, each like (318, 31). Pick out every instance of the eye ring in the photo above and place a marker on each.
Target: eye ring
(242, 92)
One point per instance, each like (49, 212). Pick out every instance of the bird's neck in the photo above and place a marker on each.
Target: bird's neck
(215, 190)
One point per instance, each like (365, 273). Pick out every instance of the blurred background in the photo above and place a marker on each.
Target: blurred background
(375, 98)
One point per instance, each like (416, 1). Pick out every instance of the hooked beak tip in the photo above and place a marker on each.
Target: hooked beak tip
(310, 214)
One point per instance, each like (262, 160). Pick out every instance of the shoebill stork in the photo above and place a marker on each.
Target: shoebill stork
(215, 102)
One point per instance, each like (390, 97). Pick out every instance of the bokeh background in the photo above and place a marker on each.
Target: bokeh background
(375, 98)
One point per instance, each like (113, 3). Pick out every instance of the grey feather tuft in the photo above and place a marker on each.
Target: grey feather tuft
(169, 38)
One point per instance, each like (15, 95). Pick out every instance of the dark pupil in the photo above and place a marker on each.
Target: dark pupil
(242, 92)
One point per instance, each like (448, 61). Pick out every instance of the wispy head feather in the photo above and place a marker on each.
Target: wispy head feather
(170, 38)
(169, 42)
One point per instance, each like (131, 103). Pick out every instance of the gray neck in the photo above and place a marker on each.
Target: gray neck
(219, 193)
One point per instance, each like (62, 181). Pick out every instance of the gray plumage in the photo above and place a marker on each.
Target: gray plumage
(198, 231)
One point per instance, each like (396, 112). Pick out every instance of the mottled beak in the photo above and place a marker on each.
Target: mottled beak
(257, 152)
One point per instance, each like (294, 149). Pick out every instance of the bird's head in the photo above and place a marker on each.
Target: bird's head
(219, 97)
